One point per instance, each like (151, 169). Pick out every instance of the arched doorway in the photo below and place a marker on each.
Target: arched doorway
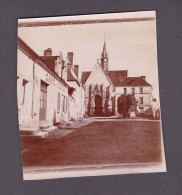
(98, 106)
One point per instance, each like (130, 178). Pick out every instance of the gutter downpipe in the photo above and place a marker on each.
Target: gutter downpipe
(33, 114)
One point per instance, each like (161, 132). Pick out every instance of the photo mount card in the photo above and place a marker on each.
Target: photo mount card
(88, 95)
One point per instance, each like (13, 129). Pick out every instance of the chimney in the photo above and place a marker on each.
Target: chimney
(143, 77)
(48, 52)
(70, 59)
(76, 69)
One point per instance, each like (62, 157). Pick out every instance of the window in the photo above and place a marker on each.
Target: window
(24, 82)
(43, 96)
(58, 103)
(43, 100)
(141, 90)
(125, 90)
(132, 90)
(56, 66)
(141, 110)
(141, 100)
(64, 104)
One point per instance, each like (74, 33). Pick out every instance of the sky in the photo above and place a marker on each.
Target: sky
(130, 45)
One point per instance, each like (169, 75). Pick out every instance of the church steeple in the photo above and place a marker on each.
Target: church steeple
(104, 58)
(104, 47)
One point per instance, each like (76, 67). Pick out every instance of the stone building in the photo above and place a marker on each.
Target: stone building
(103, 87)
(44, 90)
(142, 91)
(69, 73)
(76, 91)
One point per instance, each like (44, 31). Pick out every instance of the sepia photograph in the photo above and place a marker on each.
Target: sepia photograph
(88, 95)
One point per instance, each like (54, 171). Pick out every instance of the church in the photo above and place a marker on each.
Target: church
(103, 87)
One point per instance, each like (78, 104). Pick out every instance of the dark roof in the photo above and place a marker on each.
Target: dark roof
(114, 76)
(117, 75)
(85, 76)
(133, 81)
(35, 57)
(50, 61)
(70, 77)
(119, 78)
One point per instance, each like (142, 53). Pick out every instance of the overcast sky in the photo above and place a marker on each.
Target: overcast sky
(131, 46)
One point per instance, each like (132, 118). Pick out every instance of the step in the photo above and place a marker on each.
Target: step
(43, 122)
(64, 127)
(35, 137)
(44, 125)
(28, 131)
(50, 129)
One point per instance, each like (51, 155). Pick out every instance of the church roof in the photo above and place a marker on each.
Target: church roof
(113, 76)
(119, 78)
(133, 81)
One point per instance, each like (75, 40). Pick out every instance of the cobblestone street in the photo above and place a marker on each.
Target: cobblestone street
(99, 142)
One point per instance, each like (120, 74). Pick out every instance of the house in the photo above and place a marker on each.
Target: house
(69, 73)
(76, 93)
(43, 90)
(142, 91)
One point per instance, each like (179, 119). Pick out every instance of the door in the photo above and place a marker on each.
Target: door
(98, 106)
(43, 101)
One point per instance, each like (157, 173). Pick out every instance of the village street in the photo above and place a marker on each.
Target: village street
(99, 142)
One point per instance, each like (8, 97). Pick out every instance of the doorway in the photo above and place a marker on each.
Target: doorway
(43, 101)
(98, 106)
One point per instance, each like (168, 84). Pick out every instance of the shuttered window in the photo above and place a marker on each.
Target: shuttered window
(43, 101)
(132, 90)
(141, 90)
(64, 104)
(125, 90)
(58, 102)
(141, 100)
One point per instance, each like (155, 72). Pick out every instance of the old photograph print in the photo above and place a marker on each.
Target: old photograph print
(88, 95)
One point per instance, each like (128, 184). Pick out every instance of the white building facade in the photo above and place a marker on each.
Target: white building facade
(143, 96)
(43, 91)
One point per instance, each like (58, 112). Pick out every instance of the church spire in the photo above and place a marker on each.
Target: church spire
(104, 47)
(104, 57)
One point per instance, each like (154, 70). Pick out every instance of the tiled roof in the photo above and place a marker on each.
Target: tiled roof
(34, 56)
(50, 61)
(71, 77)
(133, 81)
(85, 76)
(119, 78)
(114, 76)
(117, 75)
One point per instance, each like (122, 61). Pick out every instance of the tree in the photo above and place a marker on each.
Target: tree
(124, 103)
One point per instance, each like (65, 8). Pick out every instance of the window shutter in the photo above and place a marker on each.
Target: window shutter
(58, 103)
